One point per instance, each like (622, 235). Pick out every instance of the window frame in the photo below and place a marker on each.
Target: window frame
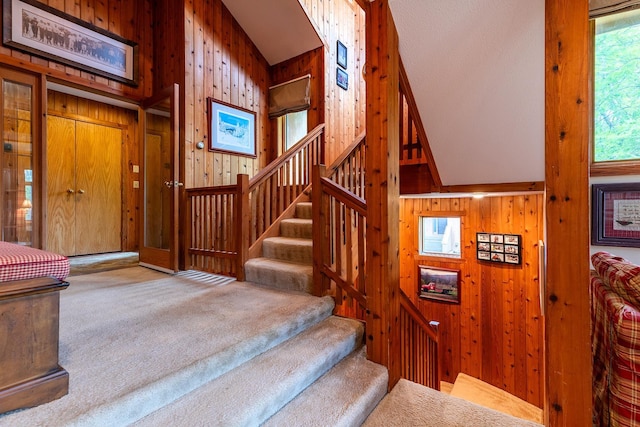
(421, 215)
(606, 167)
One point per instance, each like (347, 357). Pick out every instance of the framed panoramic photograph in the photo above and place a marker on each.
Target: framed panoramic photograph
(231, 129)
(41, 30)
(341, 56)
(615, 216)
(439, 284)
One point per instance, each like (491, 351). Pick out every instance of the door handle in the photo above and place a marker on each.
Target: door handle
(170, 184)
(70, 190)
(81, 191)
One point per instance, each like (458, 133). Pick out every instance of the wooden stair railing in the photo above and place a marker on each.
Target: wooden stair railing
(225, 223)
(418, 345)
(339, 245)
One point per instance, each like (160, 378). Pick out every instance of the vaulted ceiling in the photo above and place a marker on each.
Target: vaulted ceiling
(476, 69)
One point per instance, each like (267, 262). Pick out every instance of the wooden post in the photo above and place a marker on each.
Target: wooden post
(568, 345)
(243, 220)
(382, 190)
(318, 228)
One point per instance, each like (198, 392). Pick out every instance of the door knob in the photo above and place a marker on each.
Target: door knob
(70, 190)
(170, 184)
(81, 191)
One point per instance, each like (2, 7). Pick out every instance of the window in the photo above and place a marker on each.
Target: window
(617, 87)
(292, 128)
(440, 236)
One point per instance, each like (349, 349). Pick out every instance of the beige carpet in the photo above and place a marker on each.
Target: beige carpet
(411, 404)
(122, 331)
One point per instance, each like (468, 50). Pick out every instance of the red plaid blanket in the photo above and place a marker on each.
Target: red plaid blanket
(615, 326)
(22, 262)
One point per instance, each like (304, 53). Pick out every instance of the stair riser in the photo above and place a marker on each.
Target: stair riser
(291, 280)
(302, 254)
(294, 229)
(304, 210)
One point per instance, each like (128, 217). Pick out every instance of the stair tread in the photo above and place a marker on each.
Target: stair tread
(344, 396)
(279, 264)
(289, 240)
(298, 220)
(254, 391)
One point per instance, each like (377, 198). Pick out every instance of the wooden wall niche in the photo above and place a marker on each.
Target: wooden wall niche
(496, 332)
(131, 20)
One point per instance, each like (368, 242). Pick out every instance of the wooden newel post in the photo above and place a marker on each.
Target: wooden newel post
(318, 227)
(243, 219)
(382, 190)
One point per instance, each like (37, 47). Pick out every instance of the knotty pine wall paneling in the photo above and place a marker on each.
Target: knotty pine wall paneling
(345, 111)
(82, 109)
(495, 333)
(129, 19)
(220, 62)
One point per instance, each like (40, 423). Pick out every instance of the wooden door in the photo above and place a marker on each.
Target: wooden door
(61, 185)
(160, 184)
(98, 188)
(84, 187)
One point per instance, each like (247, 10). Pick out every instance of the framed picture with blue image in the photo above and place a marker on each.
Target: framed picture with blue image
(231, 129)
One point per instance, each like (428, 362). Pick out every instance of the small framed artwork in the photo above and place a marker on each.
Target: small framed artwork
(41, 30)
(341, 55)
(615, 216)
(495, 247)
(231, 129)
(439, 284)
(342, 78)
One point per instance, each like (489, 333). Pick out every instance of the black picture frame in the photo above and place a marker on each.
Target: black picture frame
(439, 284)
(342, 78)
(615, 214)
(341, 54)
(502, 248)
(231, 129)
(41, 30)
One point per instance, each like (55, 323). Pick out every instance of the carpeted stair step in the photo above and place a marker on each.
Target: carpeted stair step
(279, 274)
(292, 249)
(253, 392)
(344, 396)
(296, 227)
(303, 210)
(132, 349)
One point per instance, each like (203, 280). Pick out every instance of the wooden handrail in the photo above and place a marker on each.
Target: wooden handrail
(350, 200)
(345, 154)
(428, 326)
(274, 166)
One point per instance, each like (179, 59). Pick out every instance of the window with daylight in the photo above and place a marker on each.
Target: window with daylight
(292, 128)
(616, 126)
(440, 236)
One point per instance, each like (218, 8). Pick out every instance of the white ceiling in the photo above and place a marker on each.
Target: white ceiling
(476, 70)
(280, 29)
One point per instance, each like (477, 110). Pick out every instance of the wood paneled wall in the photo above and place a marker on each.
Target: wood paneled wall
(129, 19)
(221, 62)
(496, 332)
(345, 111)
(82, 109)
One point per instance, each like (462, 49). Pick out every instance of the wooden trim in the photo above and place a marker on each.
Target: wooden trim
(422, 135)
(363, 4)
(85, 119)
(350, 200)
(567, 111)
(494, 188)
(622, 167)
(243, 224)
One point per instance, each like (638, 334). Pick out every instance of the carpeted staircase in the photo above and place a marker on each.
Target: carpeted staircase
(287, 260)
(148, 349)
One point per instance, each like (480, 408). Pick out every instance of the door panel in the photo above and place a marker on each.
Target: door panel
(160, 185)
(98, 188)
(61, 185)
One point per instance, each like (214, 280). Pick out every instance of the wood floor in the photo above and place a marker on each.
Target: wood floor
(481, 393)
